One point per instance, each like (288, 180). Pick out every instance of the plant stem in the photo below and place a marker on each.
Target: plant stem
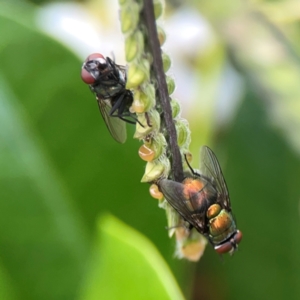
(162, 90)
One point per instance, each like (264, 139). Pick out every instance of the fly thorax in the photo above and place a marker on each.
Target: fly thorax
(213, 211)
(221, 223)
(113, 90)
(105, 92)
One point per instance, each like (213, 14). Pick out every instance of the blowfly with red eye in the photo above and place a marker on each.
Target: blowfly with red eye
(203, 202)
(107, 81)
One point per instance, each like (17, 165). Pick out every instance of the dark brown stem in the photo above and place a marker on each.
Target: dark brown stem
(163, 96)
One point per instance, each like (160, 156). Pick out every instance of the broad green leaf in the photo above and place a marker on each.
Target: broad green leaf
(39, 232)
(43, 242)
(7, 289)
(126, 265)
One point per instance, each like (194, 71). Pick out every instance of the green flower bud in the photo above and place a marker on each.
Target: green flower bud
(134, 45)
(158, 8)
(183, 132)
(170, 84)
(175, 106)
(166, 61)
(156, 169)
(152, 119)
(161, 35)
(137, 74)
(153, 171)
(143, 99)
(129, 17)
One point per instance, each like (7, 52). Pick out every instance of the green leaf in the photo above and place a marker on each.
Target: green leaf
(43, 242)
(39, 231)
(126, 265)
(7, 290)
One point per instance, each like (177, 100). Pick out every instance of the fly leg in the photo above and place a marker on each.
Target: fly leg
(192, 170)
(122, 113)
(112, 65)
(119, 108)
(148, 119)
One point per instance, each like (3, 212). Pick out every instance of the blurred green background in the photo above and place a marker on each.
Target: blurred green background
(236, 65)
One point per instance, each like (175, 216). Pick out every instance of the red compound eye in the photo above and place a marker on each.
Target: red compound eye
(87, 77)
(224, 248)
(93, 61)
(231, 245)
(238, 237)
(94, 56)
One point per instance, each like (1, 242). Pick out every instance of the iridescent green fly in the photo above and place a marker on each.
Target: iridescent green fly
(203, 201)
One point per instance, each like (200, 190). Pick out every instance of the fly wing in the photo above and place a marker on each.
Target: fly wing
(123, 69)
(119, 68)
(211, 169)
(116, 126)
(173, 192)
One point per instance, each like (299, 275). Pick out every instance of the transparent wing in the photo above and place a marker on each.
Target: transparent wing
(173, 192)
(211, 169)
(116, 126)
(123, 69)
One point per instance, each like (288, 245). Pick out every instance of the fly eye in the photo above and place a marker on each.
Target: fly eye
(93, 65)
(95, 56)
(87, 77)
(238, 237)
(224, 248)
(231, 245)
(96, 61)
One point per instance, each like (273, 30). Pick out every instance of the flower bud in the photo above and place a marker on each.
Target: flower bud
(170, 84)
(149, 122)
(175, 106)
(161, 35)
(143, 99)
(137, 74)
(134, 45)
(153, 171)
(129, 17)
(158, 8)
(166, 61)
(183, 132)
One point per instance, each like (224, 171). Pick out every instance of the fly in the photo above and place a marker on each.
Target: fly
(203, 201)
(107, 81)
